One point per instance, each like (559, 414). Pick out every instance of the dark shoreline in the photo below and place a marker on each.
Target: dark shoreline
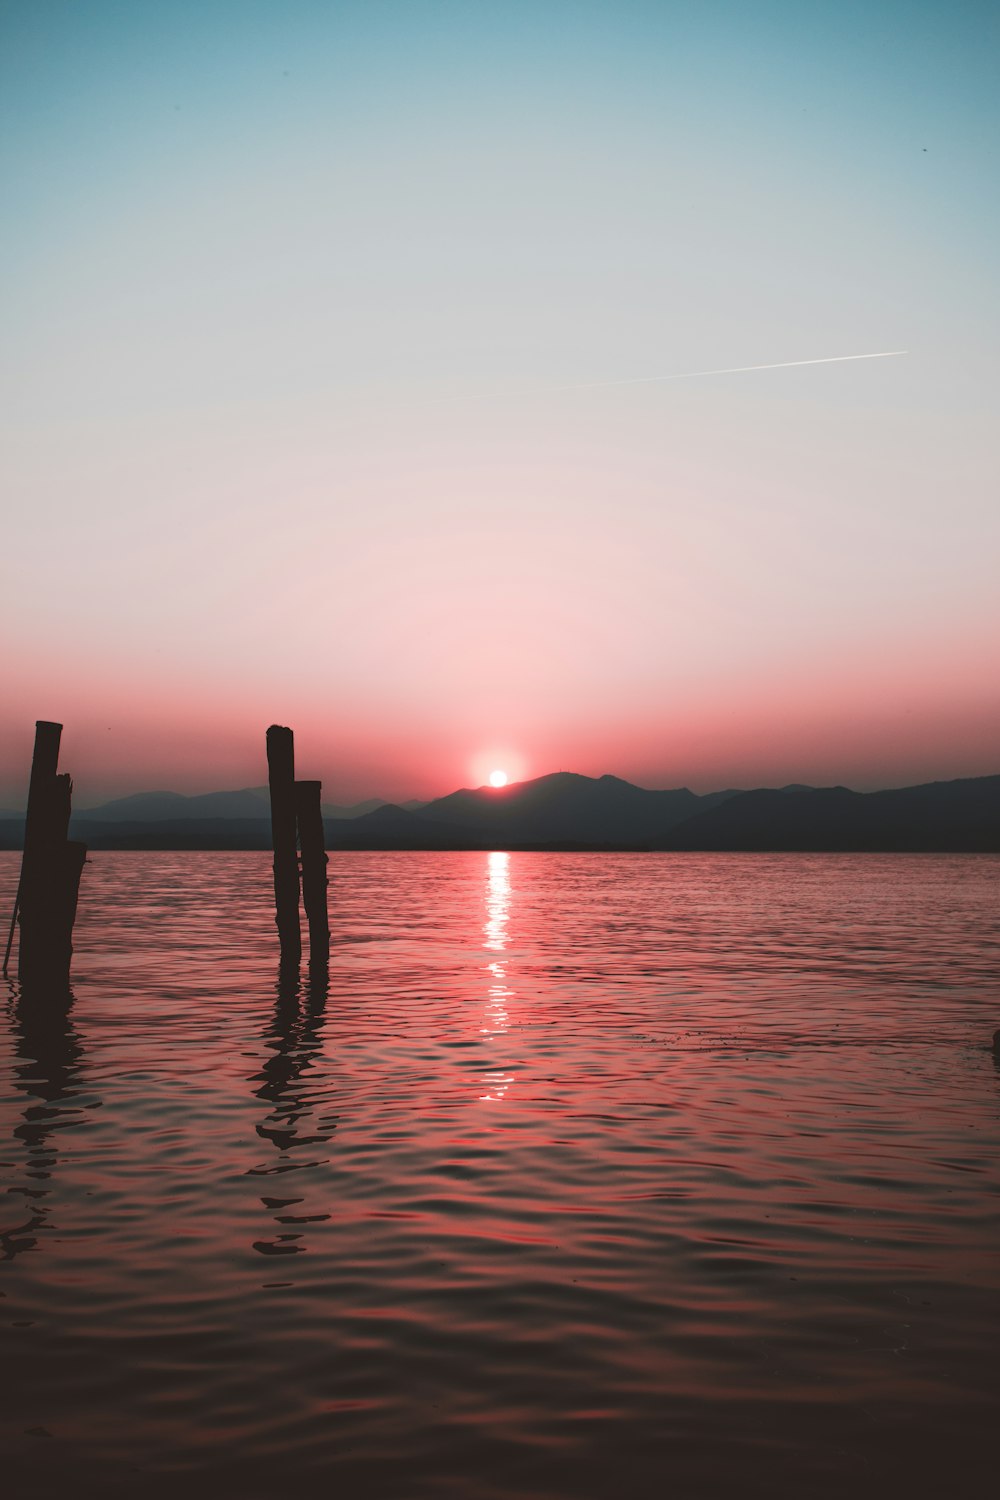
(207, 841)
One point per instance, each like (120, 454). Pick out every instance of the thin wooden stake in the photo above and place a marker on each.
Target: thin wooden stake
(309, 814)
(50, 867)
(41, 823)
(69, 868)
(39, 814)
(281, 781)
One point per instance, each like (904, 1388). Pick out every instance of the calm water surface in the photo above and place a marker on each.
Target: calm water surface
(583, 1176)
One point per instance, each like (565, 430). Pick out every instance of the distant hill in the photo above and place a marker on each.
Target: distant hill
(355, 810)
(251, 802)
(392, 827)
(603, 809)
(149, 807)
(940, 816)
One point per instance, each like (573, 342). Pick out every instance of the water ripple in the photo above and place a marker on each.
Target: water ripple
(574, 1176)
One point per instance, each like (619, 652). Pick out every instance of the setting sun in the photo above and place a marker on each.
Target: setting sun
(498, 778)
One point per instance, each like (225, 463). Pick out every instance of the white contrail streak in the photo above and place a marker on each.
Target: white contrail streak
(785, 364)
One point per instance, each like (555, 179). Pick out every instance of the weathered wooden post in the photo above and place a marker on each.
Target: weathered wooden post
(72, 858)
(309, 813)
(281, 782)
(50, 867)
(63, 887)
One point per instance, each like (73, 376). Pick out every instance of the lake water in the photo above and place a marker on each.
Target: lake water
(584, 1176)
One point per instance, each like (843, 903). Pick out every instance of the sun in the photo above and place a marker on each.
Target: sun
(498, 778)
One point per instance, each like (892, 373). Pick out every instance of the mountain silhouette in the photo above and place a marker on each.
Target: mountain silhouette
(152, 807)
(569, 811)
(565, 806)
(957, 816)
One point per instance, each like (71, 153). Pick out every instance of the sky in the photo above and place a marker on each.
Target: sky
(327, 332)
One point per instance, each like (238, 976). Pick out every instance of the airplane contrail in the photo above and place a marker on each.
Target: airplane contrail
(785, 364)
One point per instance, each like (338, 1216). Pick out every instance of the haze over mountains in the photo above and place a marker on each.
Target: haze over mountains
(565, 810)
(251, 802)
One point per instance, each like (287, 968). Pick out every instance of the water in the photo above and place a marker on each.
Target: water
(585, 1176)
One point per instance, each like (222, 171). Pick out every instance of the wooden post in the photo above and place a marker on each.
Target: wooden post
(74, 857)
(41, 821)
(39, 817)
(50, 867)
(281, 781)
(309, 814)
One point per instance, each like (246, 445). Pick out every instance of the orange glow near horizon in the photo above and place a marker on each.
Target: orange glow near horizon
(921, 711)
(499, 766)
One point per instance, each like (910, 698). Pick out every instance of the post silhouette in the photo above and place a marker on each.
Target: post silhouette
(281, 783)
(309, 814)
(50, 867)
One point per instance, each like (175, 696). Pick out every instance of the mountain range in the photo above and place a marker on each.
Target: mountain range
(565, 810)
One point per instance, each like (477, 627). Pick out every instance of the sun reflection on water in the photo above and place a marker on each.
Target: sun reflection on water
(496, 1016)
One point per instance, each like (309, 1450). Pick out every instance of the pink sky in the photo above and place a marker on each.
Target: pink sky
(911, 715)
(311, 411)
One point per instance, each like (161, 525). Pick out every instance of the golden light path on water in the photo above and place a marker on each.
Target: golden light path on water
(496, 1018)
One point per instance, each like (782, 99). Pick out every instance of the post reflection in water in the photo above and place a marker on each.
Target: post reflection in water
(294, 1094)
(49, 1070)
(496, 1019)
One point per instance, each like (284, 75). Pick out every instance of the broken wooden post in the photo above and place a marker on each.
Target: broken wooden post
(309, 813)
(50, 867)
(281, 782)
